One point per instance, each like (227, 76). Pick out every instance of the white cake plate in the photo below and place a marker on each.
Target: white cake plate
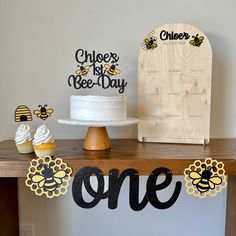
(95, 123)
(97, 137)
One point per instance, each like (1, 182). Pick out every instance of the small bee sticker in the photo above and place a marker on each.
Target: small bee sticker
(112, 69)
(150, 42)
(83, 70)
(196, 41)
(49, 176)
(205, 178)
(43, 112)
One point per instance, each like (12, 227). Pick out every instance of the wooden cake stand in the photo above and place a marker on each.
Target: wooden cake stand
(97, 137)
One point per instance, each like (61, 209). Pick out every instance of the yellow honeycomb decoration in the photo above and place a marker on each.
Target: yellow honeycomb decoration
(49, 176)
(206, 177)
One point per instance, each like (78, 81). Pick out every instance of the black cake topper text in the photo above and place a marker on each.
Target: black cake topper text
(104, 67)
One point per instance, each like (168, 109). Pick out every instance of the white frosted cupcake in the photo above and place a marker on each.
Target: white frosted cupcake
(43, 142)
(23, 139)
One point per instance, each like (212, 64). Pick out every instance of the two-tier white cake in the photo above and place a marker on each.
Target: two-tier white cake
(98, 108)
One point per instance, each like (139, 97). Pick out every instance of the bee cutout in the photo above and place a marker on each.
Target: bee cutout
(150, 42)
(23, 113)
(49, 176)
(197, 41)
(43, 113)
(49, 180)
(205, 178)
(83, 70)
(112, 70)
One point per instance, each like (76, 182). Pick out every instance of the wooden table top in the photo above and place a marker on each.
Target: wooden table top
(125, 153)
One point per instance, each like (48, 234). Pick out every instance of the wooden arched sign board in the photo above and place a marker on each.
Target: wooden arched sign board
(175, 64)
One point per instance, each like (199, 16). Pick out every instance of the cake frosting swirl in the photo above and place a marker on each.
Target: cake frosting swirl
(42, 135)
(23, 134)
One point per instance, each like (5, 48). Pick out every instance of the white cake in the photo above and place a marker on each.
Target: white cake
(98, 108)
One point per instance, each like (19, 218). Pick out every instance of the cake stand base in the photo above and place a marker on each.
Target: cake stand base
(97, 139)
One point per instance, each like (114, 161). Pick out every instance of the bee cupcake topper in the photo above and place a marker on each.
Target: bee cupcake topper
(205, 178)
(22, 114)
(49, 176)
(43, 112)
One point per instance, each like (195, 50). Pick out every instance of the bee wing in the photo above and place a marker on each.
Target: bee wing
(39, 179)
(192, 42)
(154, 45)
(201, 38)
(60, 174)
(196, 181)
(49, 111)
(87, 68)
(78, 72)
(194, 175)
(216, 180)
(116, 71)
(107, 66)
(36, 112)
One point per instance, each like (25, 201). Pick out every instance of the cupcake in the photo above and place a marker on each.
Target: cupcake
(43, 142)
(23, 139)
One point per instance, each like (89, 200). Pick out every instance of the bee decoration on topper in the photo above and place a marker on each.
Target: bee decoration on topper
(43, 112)
(205, 178)
(83, 70)
(197, 41)
(111, 69)
(150, 42)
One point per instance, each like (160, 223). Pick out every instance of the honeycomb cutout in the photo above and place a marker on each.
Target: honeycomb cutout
(206, 177)
(49, 176)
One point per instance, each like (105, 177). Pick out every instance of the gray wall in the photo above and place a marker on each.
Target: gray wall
(37, 45)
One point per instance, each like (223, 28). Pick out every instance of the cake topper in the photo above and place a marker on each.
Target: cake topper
(44, 112)
(205, 178)
(49, 176)
(102, 68)
(23, 113)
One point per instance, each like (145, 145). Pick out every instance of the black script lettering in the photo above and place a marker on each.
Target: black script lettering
(105, 81)
(83, 176)
(115, 183)
(79, 82)
(114, 57)
(152, 187)
(165, 35)
(116, 180)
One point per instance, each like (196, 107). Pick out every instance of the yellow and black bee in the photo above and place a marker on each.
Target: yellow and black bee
(150, 42)
(197, 41)
(83, 70)
(49, 180)
(43, 113)
(112, 70)
(206, 180)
